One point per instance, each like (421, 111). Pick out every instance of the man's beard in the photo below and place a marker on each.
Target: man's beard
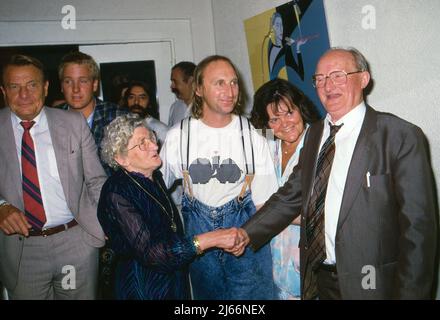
(136, 108)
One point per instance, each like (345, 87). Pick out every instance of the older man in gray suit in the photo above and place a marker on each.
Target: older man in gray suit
(51, 181)
(364, 189)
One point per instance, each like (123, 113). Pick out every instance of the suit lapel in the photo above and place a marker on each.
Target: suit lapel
(61, 146)
(12, 172)
(358, 166)
(309, 159)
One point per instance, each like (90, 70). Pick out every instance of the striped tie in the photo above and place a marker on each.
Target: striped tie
(315, 218)
(33, 203)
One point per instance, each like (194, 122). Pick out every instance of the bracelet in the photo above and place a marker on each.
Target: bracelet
(196, 244)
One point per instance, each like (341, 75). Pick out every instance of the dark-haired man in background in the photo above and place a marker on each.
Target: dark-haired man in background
(181, 85)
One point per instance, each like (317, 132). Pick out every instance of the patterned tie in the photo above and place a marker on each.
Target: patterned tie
(315, 218)
(33, 203)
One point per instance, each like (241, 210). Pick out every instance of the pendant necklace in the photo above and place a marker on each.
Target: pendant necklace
(286, 150)
(172, 224)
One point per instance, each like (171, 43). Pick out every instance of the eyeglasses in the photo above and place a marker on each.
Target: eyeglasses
(31, 86)
(338, 78)
(143, 145)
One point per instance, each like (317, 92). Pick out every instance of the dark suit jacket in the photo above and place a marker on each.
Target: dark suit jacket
(390, 225)
(81, 175)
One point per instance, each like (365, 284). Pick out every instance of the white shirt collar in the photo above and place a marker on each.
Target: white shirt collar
(350, 120)
(40, 120)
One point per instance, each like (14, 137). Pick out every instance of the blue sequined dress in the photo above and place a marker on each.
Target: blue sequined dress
(151, 259)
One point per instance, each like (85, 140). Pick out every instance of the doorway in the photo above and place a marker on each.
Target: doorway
(159, 54)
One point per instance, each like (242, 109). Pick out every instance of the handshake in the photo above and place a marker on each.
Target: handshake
(232, 240)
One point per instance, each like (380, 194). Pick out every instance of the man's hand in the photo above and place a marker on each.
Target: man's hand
(13, 221)
(241, 243)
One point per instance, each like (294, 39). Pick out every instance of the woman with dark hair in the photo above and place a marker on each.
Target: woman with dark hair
(283, 108)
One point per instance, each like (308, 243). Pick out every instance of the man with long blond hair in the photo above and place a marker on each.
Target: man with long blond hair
(227, 173)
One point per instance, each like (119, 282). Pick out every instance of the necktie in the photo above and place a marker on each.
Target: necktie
(315, 218)
(33, 203)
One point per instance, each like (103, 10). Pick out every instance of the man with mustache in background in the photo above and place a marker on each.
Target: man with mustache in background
(181, 86)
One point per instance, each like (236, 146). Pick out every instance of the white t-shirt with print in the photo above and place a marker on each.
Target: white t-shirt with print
(217, 162)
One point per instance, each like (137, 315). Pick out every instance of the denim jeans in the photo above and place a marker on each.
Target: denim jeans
(220, 275)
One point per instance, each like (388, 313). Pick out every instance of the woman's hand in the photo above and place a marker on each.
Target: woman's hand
(221, 238)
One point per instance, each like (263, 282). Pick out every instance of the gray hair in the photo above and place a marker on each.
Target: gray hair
(116, 137)
(359, 59)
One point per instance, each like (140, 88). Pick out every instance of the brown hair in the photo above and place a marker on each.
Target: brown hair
(187, 68)
(24, 60)
(197, 106)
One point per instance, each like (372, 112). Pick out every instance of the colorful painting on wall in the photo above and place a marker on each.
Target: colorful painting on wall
(286, 42)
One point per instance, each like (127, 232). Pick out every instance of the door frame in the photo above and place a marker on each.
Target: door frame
(176, 32)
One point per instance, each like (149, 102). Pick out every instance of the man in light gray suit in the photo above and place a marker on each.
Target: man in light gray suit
(51, 181)
(368, 229)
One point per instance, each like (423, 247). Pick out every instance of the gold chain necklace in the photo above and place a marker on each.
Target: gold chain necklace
(173, 224)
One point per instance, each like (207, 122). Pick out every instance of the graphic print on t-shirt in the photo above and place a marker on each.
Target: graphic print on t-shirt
(202, 170)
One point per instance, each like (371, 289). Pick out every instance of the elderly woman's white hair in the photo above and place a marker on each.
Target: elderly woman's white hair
(116, 136)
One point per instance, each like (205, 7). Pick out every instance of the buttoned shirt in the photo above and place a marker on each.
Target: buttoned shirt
(345, 142)
(52, 193)
(178, 111)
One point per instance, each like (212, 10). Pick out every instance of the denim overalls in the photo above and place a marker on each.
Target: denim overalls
(217, 274)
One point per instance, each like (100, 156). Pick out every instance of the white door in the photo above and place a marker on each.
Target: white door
(161, 52)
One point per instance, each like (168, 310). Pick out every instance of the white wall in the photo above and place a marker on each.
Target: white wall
(187, 33)
(198, 12)
(403, 52)
(403, 49)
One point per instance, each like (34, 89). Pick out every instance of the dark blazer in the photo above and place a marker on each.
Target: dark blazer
(390, 225)
(81, 175)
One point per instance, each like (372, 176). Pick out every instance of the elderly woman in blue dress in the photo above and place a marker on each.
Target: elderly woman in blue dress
(140, 220)
(280, 106)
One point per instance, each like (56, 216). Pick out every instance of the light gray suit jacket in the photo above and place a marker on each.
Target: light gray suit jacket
(389, 225)
(81, 175)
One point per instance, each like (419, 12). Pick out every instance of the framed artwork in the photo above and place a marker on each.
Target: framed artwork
(286, 42)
